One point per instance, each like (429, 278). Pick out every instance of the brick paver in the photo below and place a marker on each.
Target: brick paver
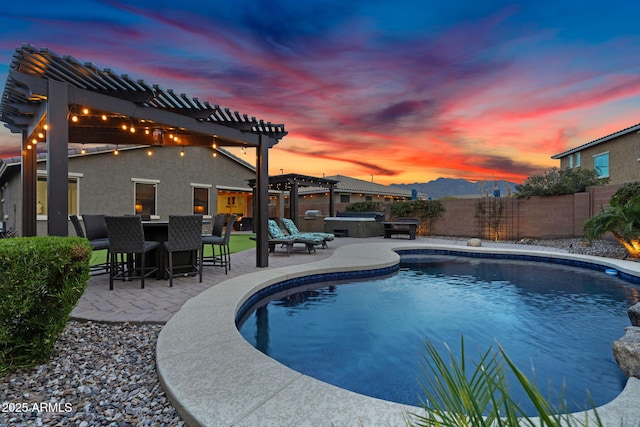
(157, 302)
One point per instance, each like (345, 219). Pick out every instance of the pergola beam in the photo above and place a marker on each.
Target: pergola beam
(42, 87)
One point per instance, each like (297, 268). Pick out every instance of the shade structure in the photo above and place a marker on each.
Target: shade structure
(58, 100)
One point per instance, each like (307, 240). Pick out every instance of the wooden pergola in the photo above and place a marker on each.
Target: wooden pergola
(56, 100)
(291, 182)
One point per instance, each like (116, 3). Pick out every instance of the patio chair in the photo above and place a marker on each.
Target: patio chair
(224, 259)
(95, 230)
(126, 237)
(77, 226)
(292, 229)
(277, 237)
(184, 235)
(213, 239)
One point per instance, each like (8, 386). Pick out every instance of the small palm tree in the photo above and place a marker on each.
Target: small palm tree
(460, 395)
(623, 221)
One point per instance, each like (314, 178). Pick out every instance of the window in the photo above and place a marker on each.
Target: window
(601, 165)
(368, 198)
(201, 199)
(345, 198)
(42, 202)
(571, 161)
(577, 160)
(145, 196)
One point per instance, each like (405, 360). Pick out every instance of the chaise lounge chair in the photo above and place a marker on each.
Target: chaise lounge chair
(292, 229)
(277, 237)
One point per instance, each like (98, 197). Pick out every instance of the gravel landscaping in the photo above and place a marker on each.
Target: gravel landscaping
(104, 374)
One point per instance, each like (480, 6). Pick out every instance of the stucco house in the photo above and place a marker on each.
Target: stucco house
(154, 181)
(615, 156)
(349, 190)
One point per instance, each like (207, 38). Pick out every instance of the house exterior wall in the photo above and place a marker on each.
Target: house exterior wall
(624, 158)
(11, 201)
(106, 186)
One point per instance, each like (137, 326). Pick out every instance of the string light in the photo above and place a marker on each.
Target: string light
(149, 152)
(85, 111)
(116, 151)
(83, 150)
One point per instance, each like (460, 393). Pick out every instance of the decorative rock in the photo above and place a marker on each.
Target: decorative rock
(634, 314)
(626, 350)
(474, 242)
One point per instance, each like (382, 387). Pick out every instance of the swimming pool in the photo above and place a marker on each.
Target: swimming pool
(360, 337)
(213, 376)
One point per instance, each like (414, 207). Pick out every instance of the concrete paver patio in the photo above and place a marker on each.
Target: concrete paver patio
(157, 302)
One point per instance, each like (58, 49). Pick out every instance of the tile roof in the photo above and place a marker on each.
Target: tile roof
(634, 128)
(354, 185)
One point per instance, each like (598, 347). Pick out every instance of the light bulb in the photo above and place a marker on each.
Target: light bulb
(181, 153)
(74, 118)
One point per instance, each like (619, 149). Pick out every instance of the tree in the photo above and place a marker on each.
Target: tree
(559, 181)
(623, 221)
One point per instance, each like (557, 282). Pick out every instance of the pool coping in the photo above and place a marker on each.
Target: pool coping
(214, 377)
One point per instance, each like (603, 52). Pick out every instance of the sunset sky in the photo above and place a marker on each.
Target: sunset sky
(404, 91)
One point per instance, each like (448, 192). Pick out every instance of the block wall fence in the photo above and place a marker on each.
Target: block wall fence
(511, 218)
(514, 219)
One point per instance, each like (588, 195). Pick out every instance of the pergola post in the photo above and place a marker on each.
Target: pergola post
(293, 202)
(262, 193)
(332, 203)
(57, 159)
(28, 177)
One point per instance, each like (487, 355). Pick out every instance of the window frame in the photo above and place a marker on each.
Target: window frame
(595, 167)
(71, 177)
(207, 210)
(145, 181)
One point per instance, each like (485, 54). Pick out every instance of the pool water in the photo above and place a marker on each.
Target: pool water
(557, 323)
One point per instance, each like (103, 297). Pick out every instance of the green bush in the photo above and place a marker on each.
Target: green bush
(427, 210)
(363, 207)
(41, 280)
(559, 181)
(625, 193)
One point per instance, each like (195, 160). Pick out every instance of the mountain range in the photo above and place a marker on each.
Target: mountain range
(458, 187)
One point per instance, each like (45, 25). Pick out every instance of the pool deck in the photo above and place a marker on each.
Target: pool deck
(214, 377)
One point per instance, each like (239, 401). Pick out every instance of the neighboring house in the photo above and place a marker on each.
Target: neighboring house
(615, 156)
(172, 180)
(347, 191)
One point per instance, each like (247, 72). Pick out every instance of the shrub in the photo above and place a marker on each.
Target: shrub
(426, 210)
(625, 193)
(458, 394)
(559, 181)
(41, 280)
(363, 207)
